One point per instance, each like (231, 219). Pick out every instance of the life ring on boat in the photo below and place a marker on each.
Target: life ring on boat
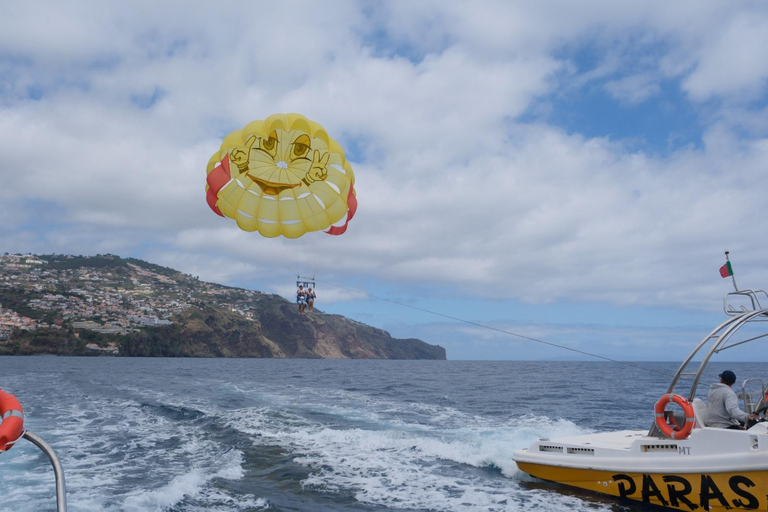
(11, 421)
(675, 431)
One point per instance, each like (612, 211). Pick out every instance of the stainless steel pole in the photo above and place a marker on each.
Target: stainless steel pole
(732, 275)
(58, 470)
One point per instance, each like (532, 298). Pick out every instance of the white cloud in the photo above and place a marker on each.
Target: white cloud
(732, 64)
(633, 89)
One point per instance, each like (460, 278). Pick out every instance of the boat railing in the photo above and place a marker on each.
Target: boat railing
(752, 399)
(743, 308)
(742, 301)
(58, 469)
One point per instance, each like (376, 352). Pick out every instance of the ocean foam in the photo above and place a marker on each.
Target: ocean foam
(106, 444)
(443, 459)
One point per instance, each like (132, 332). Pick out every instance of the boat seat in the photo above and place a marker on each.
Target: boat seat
(700, 411)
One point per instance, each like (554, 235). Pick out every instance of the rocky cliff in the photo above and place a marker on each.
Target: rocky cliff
(276, 331)
(75, 305)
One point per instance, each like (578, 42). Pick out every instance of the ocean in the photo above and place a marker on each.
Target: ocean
(158, 434)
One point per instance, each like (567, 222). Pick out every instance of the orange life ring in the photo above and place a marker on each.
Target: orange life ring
(675, 431)
(11, 421)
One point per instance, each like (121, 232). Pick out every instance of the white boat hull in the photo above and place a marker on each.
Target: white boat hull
(713, 469)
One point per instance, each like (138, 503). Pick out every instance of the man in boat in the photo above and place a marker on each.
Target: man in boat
(723, 406)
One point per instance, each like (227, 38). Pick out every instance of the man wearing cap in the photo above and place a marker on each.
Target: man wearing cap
(723, 405)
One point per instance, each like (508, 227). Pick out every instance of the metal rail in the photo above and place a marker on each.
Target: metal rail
(58, 469)
(723, 337)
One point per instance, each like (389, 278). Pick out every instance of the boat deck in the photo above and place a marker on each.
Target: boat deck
(621, 440)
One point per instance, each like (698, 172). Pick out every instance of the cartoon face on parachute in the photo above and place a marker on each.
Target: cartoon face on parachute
(282, 176)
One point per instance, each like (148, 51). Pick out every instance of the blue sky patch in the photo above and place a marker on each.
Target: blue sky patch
(148, 100)
(635, 104)
(660, 124)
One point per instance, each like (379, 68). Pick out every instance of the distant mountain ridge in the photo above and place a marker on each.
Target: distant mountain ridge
(108, 304)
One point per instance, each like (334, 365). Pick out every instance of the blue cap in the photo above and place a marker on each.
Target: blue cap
(728, 377)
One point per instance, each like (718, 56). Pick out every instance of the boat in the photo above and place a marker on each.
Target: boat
(680, 463)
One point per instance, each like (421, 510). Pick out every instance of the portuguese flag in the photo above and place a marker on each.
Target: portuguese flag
(726, 269)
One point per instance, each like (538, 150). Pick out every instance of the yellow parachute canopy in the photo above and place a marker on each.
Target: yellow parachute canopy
(282, 176)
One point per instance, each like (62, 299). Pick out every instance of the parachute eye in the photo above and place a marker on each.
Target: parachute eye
(270, 144)
(301, 146)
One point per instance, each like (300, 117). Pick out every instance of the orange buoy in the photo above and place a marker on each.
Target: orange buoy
(675, 431)
(12, 421)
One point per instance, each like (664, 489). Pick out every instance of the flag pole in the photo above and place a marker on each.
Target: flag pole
(732, 276)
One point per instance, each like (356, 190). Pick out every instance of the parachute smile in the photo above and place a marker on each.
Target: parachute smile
(272, 189)
(274, 180)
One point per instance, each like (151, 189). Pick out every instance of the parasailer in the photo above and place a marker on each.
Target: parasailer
(301, 298)
(311, 296)
(282, 176)
(305, 296)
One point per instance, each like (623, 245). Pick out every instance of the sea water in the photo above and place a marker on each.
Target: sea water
(157, 434)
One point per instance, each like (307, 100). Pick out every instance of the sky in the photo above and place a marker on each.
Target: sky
(570, 172)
